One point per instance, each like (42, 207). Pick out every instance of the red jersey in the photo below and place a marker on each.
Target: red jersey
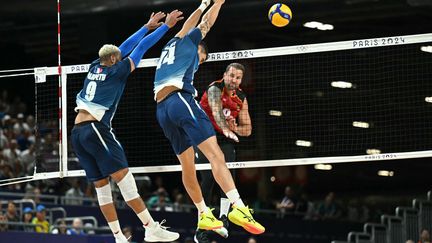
(231, 104)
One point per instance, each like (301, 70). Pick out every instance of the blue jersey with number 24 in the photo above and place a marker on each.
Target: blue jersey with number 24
(103, 88)
(178, 63)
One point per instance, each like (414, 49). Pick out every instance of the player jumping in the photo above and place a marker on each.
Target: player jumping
(97, 148)
(186, 125)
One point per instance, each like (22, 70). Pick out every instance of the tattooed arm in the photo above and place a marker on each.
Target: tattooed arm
(210, 17)
(214, 95)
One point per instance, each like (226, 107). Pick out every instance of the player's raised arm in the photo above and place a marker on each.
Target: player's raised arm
(154, 37)
(129, 44)
(193, 19)
(210, 17)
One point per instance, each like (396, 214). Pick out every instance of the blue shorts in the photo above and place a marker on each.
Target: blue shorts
(183, 121)
(99, 152)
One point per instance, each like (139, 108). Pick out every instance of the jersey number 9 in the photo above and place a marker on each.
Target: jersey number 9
(90, 90)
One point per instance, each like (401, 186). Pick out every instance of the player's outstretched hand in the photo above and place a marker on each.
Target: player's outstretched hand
(229, 134)
(173, 18)
(153, 22)
(206, 3)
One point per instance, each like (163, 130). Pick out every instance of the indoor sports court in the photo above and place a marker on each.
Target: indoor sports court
(275, 121)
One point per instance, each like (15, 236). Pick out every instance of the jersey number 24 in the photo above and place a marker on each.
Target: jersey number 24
(167, 55)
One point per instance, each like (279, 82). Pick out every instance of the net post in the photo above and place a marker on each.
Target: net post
(64, 139)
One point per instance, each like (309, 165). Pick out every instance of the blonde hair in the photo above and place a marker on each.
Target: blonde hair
(107, 50)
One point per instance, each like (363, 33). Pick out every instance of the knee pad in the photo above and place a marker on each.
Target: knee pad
(128, 187)
(104, 194)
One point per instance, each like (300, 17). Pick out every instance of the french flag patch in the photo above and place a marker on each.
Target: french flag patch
(99, 70)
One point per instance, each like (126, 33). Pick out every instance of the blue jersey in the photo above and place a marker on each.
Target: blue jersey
(103, 88)
(178, 63)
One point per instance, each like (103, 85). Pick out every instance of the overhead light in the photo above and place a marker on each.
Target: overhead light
(428, 99)
(360, 124)
(373, 151)
(326, 27)
(426, 49)
(273, 179)
(341, 84)
(318, 25)
(304, 143)
(385, 173)
(312, 24)
(323, 167)
(275, 113)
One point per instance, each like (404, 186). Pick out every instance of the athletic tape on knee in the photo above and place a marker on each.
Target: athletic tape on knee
(104, 194)
(128, 187)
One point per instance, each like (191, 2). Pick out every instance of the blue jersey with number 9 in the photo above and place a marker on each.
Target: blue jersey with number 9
(103, 88)
(178, 63)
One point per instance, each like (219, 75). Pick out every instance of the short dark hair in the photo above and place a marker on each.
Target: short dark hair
(205, 48)
(237, 66)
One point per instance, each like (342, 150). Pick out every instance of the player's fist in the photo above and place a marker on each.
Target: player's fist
(232, 124)
(231, 135)
(173, 18)
(153, 22)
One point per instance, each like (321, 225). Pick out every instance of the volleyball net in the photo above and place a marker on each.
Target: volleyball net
(348, 101)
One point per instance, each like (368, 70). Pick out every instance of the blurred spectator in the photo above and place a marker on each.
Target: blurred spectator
(127, 231)
(23, 140)
(3, 219)
(424, 236)
(288, 202)
(88, 230)
(159, 201)
(3, 140)
(30, 120)
(40, 220)
(159, 183)
(7, 123)
(252, 240)
(20, 126)
(74, 195)
(33, 193)
(77, 227)
(179, 203)
(27, 218)
(12, 153)
(12, 215)
(329, 209)
(60, 229)
(409, 241)
(28, 158)
(353, 211)
(304, 206)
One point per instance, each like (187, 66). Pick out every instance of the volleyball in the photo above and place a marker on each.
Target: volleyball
(280, 15)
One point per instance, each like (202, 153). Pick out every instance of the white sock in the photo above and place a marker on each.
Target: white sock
(224, 206)
(115, 228)
(234, 198)
(146, 218)
(201, 206)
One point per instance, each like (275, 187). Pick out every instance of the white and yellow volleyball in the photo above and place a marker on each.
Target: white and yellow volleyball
(280, 15)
